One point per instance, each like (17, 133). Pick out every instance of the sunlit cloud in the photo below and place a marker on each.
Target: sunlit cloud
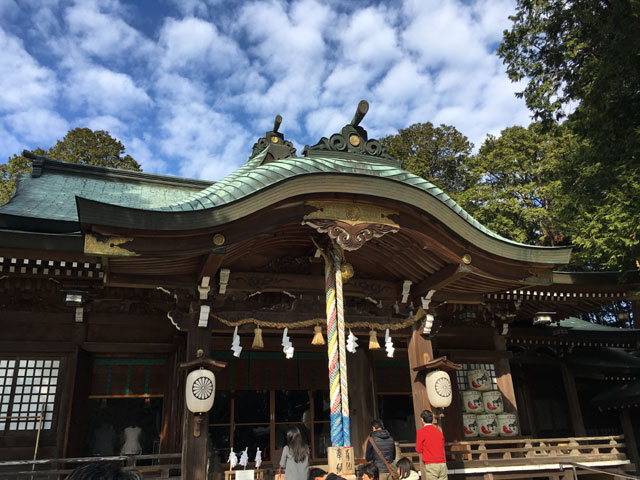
(188, 87)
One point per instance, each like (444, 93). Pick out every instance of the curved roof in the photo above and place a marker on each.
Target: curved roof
(259, 183)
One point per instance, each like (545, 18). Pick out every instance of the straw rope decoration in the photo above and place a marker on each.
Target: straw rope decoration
(344, 388)
(333, 354)
(314, 321)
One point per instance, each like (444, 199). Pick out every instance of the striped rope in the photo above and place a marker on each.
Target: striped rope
(334, 367)
(344, 388)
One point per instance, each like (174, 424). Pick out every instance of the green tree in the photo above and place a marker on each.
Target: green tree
(438, 154)
(519, 195)
(80, 145)
(583, 55)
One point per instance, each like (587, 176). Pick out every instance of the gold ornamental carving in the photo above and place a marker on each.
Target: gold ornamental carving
(352, 213)
(107, 245)
(351, 225)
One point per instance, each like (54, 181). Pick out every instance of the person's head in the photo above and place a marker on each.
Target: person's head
(316, 474)
(426, 416)
(299, 450)
(377, 425)
(405, 467)
(102, 471)
(369, 471)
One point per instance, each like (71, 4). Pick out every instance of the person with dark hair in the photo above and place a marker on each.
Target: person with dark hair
(295, 456)
(430, 444)
(319, 474)
(369, 471)
(406, 470)
(381, 449)
(103, 471)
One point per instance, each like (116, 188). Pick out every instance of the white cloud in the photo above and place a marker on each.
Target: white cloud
(38, 125)
(192, 93)
(10, 144)
(108, 123)
(103, 34)
(196, 8)
(24, 83)
(104, 91)
(196, 45)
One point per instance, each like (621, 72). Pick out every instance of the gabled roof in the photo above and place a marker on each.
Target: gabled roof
(347, 163)
(49, 193)
(259, 184)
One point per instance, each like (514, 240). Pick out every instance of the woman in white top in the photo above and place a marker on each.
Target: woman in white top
(406, 470)
(295, 456)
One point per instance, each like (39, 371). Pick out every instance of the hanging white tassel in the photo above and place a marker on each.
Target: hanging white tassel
(286, 344)
(258, 459)
(388, 344)
(352, 343)
(235, 344)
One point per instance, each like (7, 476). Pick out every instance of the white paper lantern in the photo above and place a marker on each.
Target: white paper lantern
(200, 390)
(439, 389)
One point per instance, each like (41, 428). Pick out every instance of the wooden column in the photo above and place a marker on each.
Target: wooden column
(420, 352)
(503, 376)
(574, 401)
(629, 438)
(195, 449)
(361, 405)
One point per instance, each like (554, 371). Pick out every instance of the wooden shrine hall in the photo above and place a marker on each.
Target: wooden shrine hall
(115, 284)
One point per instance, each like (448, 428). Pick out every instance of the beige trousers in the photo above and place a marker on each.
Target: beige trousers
(434, 471)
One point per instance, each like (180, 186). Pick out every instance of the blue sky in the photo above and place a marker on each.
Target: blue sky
(188, 86)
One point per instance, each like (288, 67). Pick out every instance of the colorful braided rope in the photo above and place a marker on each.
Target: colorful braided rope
(334, 360)
(344, 388)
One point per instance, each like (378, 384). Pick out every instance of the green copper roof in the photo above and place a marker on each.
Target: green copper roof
(50, 191)
(576, 324)
(255, 176)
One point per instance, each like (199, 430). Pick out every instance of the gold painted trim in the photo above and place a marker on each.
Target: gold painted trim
(351, 213)
(107, 245)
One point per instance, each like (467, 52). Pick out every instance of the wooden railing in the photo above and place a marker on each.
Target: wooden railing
(165, 466)
(502, 454)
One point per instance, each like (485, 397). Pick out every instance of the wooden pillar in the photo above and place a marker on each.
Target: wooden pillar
(420, 352)
(574, 401)
(503, 376)
(195, 449)
(629, 438)
(361, 404)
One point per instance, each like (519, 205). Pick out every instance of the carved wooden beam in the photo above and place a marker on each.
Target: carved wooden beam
(440, 279)
(277, 282)
(210, 265)
(351, 225)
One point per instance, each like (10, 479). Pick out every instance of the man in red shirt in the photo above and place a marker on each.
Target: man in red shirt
(430, 444)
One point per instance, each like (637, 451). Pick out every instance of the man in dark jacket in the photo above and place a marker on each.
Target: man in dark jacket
(386, 446)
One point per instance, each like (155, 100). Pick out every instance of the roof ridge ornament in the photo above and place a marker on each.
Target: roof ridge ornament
(274, 141)
(352, 138)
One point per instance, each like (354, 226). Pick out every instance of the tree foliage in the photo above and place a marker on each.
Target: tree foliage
(80, 145)
(438, 154)
(519, 192)
(583, 55)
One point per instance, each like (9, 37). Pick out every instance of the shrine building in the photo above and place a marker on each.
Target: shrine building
(115, 284)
